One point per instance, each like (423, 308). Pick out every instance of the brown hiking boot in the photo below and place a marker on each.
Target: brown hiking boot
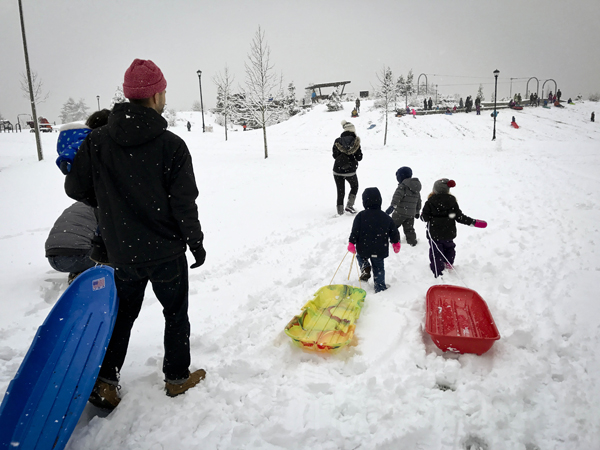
(173, 389)
(105, 395)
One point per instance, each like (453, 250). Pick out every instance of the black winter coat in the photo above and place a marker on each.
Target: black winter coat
(373, 229)
(442, 213)
(140, 176)
(347, 153)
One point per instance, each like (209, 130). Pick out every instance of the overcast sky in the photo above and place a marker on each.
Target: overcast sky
(81, 48)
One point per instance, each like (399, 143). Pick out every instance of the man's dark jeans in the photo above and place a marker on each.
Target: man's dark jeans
(170, 284)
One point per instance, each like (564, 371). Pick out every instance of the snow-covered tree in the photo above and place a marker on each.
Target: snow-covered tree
(290, 100)
(225, 105)
(387, 94)
(334, 102)
(118, 97)
(480, 93)
(72, 111)
(260, 85)
(170, 116)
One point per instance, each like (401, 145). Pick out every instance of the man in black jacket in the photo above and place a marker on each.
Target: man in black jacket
(141, 179)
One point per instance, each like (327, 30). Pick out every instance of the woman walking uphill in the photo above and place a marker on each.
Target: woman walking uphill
(347, 153)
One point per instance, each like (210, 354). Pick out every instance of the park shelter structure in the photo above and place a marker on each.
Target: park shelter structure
(317, 88)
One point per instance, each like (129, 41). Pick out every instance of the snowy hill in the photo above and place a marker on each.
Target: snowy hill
(273, 239)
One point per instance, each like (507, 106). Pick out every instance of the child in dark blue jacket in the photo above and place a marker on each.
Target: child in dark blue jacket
(372, 230)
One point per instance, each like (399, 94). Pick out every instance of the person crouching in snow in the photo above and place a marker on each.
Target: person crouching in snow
(347, 153)
(441, 212)
(372, 230)
(406, 204)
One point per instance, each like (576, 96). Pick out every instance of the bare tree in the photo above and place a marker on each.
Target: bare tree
(224, 84)
(387, 94)
(261, 83)
(39, 96)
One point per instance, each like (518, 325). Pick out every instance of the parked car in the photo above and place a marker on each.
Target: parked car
(44, 125)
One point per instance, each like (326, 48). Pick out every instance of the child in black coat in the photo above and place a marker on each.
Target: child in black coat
(372, 230)
(441, 212)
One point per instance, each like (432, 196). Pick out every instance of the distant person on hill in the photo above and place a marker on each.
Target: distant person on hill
(430, 103)
(513, 123)
(424, 104)
(372, 231)
(354, 113)
(72, 135)
(189, 126)
(558, 95)
(406, 203)
(346, 153)
(593, 118)
(357, 103)
(441, 212)
(460, 103)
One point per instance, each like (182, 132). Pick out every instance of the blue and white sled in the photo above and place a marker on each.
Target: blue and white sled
(48, 394)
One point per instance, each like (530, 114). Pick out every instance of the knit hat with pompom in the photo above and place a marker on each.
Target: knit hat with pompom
(443, 186)
(348, 127)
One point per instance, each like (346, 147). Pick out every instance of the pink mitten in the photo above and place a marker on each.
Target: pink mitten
(480, 224)
(396, 247)
(351, 247)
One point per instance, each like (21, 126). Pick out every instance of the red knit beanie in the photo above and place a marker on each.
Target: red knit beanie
(143, 79)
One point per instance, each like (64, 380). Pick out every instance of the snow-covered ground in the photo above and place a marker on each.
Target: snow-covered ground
(273, 239)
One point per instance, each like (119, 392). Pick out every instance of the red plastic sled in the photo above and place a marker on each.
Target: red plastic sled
(514, 125)
(459, 320)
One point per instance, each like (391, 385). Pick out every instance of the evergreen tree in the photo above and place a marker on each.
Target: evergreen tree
(119, 97)
(73, 111)
(334, 103)
(480, 93)
(67, 110)
(290, 100)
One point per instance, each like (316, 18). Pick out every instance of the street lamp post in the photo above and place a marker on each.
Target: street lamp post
(496, 73)
(98, 98)
(201, 102)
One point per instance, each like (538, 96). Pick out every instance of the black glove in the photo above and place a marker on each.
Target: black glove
(417, 216)
(200, 255)
(65, 167)
(389, 210)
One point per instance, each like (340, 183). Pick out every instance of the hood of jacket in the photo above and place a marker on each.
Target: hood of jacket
(130, 125)
(371, 198)
(348, 143)
(413, 184)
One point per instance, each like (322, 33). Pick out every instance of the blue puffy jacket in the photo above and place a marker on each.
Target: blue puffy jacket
(70, 138)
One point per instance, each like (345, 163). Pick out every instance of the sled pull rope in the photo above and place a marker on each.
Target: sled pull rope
(336, 270)
(431, 245)
(351, 264)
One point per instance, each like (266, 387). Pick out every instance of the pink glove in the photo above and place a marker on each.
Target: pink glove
(480, 224)
(396, 247)
(351, 247)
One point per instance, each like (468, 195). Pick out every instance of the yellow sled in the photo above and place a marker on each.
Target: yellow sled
(327, 322)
